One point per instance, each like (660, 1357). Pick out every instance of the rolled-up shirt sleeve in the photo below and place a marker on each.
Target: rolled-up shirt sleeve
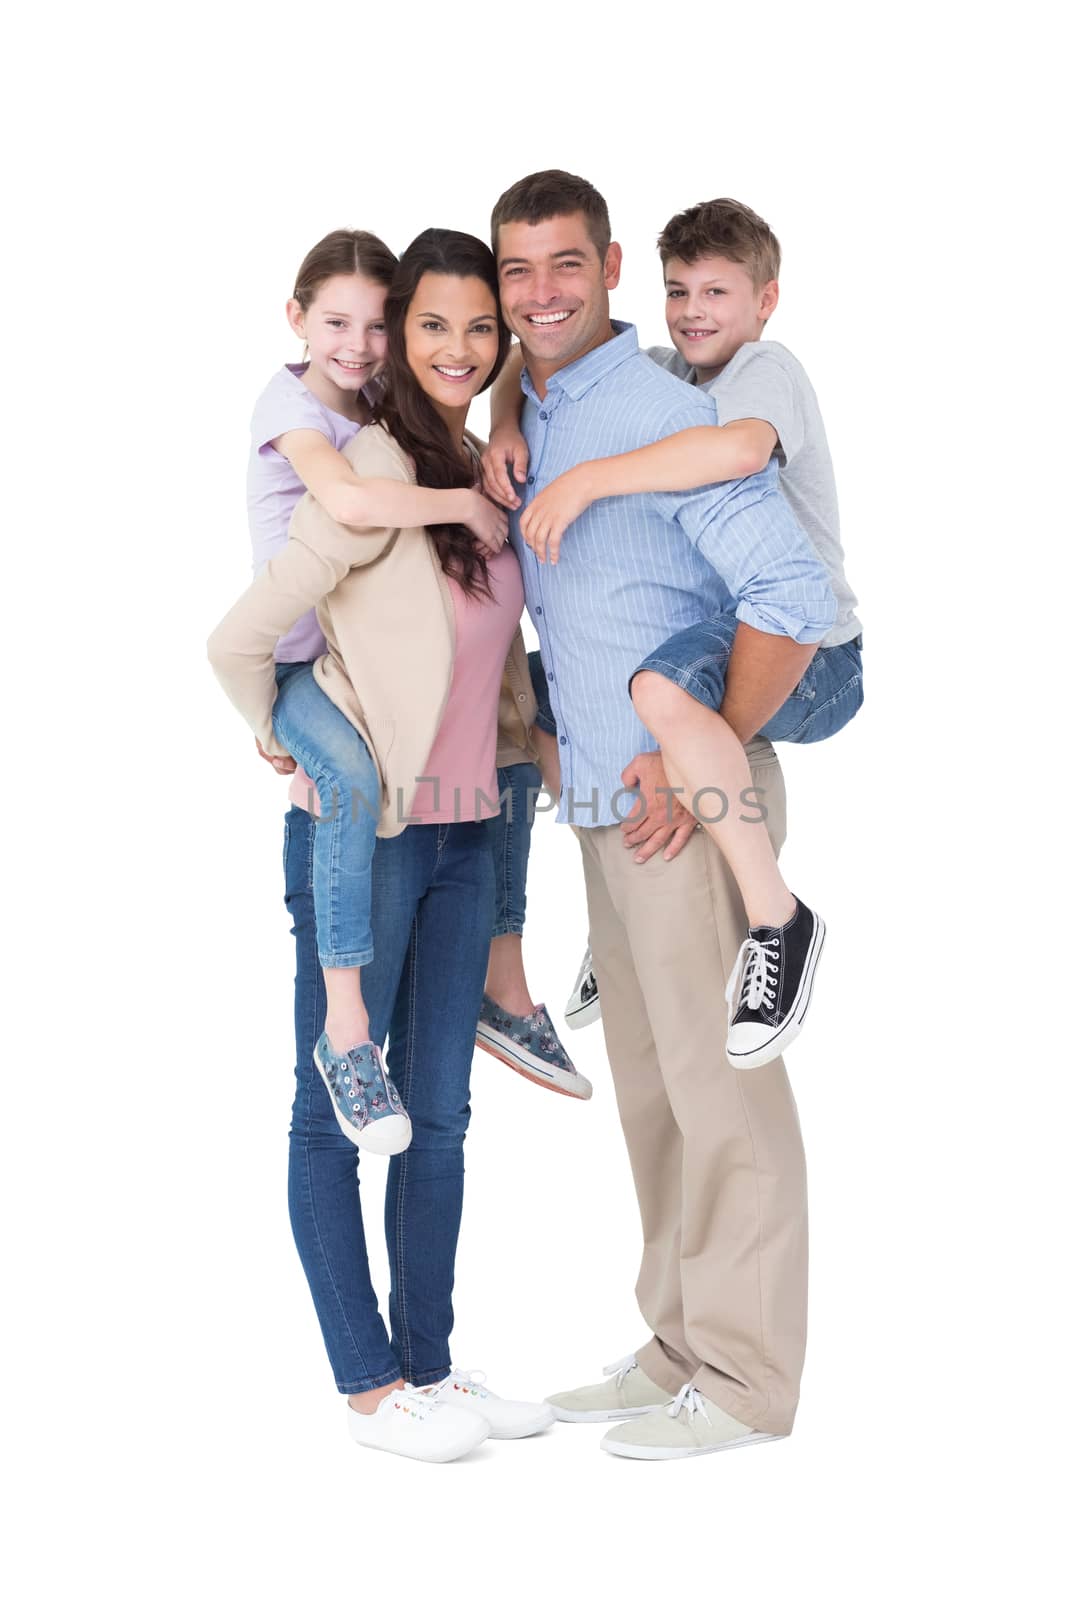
(746, 531)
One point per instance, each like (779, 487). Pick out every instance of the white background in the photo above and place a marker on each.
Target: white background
(171, 1413)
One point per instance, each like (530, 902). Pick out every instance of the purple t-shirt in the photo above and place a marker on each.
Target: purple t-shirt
(274, 488)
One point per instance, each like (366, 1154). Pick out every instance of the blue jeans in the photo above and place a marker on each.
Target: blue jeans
(509, 834)
(432, 911)
(337, 761)
(827, 696)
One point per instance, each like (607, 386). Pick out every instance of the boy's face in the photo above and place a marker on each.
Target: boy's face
(713, 308)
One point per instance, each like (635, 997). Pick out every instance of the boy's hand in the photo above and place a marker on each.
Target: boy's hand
(550, 514)
(282, 764)
(663, 823)
(488, 524)
(506, 448)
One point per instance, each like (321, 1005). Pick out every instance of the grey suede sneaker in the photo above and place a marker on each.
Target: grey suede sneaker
(629, 1392)
(530, 1046)
(691, 1425)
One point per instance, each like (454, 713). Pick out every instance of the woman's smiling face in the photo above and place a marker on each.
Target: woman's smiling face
(451, 337)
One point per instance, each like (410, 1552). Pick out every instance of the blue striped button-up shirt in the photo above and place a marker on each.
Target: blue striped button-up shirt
(634, 569)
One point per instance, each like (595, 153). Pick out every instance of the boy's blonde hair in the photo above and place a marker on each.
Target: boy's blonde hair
(723, 228)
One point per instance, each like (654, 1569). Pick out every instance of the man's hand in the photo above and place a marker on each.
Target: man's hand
(488, 524)
(506, 448)
(664, 823)
(550, 514)
(282, 764)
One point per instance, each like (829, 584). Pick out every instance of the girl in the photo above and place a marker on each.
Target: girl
(423, 657)
(303, 420)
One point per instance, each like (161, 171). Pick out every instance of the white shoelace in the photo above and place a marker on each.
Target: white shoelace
(619, 1369)
(417, 1402)
(474, 1380)
(689, 1400)
(755, 977)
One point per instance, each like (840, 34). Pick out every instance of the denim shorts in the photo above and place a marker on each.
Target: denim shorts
(826, 698)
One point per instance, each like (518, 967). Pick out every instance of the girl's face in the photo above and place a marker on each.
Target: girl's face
(344, 330)
(451, 336)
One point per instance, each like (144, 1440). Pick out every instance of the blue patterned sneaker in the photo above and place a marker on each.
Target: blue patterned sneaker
(530, 1046)
(364, 1098)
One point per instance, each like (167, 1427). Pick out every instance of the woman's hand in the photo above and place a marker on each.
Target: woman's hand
(506, 448)
(488, 524)
(282, 764)
(550, 514)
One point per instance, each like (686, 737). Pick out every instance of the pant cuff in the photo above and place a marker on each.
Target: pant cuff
(363, 1384)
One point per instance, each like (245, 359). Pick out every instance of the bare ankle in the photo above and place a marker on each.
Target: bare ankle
(369, 1401)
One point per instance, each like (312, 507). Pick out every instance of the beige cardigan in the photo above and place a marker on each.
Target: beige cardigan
(385, 608)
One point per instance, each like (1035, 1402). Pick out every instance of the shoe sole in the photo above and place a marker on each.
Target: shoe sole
(583, 1016)
(792, 1024)
(624, 1414)
(526, 1430)
(652, 1452)
(554, 1078)
(434, 1460)
(358, 1138)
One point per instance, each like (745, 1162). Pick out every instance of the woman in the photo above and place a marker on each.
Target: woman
(426, 661)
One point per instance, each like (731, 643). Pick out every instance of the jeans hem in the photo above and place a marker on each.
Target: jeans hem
(345, 958)
(689, 681)
(433, 1376)
(369, 1383)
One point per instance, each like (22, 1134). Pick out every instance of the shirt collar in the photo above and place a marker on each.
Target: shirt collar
(581, 375)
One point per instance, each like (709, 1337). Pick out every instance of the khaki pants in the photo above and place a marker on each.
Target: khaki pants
(717, 1157)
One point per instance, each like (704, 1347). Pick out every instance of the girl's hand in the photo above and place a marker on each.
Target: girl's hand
(283, 764)
(488, 524)
(550, 514)
(506, 448)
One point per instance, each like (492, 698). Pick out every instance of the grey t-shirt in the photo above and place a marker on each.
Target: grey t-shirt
(764, 380)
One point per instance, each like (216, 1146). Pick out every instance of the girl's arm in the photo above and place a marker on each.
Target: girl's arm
(360, 503)
(507, 447)
(686, 460)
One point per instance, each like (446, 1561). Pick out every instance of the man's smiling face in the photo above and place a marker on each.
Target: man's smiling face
(554, 287)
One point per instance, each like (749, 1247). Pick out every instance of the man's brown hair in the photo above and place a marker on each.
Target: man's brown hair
(544, 195)
(723, 228)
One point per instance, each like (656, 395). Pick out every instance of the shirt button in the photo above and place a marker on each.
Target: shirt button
(551, 677)
(530, 478)
(540, 613)
(563, 738)
(543, 415)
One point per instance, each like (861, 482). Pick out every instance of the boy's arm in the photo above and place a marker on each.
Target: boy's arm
(360, 503)
(507, 447)
(685, 460)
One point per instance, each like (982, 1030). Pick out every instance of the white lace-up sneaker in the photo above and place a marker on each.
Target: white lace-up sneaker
(583, 1007)
(629, 1392)
(506, 1419)
(410, 1422)
(690, 1426)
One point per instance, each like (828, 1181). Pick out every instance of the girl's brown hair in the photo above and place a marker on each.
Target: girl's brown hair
(343, 251)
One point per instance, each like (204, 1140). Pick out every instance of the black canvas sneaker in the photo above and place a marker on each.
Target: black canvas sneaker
(583, 1007)
(770, 987)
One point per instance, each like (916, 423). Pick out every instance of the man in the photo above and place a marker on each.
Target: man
(717, 1156)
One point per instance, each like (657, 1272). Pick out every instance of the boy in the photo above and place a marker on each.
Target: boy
(720, 263)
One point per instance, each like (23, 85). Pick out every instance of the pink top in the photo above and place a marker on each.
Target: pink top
(463, 758)
(274, 487)
(461, 767)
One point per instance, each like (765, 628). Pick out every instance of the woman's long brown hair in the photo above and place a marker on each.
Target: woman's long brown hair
(408, 412)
